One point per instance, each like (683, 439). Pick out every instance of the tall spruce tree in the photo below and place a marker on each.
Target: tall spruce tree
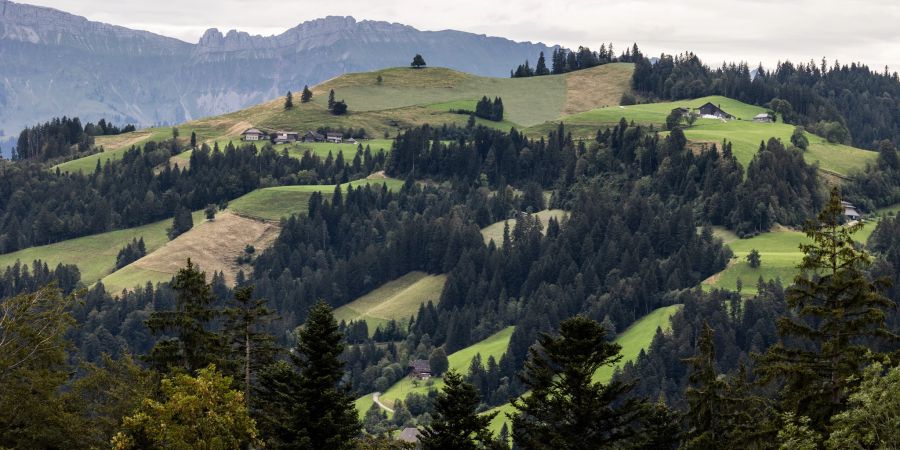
(289, 100)
(722, 412)
(306, 95)
(193, 345)
(331, 99)
(567, 409)
(250, 347)
(541, 68)
(836, 312)
(307, 406)
(457, 424)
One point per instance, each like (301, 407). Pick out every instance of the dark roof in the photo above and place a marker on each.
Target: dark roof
(335, 135)
(409, 434)
(313, 133)
(252, 131)
(713, 108)
(420, 366)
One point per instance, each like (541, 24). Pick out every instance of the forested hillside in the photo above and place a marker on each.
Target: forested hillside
(390, 303)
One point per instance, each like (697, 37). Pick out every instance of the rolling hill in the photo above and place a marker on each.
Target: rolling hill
(405, 98)
(744, 134)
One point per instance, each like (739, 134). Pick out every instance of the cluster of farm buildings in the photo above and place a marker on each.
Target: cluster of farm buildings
(289, 137)
(710, 111)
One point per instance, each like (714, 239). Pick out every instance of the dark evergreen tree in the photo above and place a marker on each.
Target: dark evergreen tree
(339, 108)
(418, 62)
(192, 345)
(541, 68)
(193, 139)
(308, 406)
(182, 222)
(250, 347)
(836, 312)
(456, 423)
(438, 362)
(288, 100)
(131, 253)
(331, 99)
(306, 96)
(566, 408)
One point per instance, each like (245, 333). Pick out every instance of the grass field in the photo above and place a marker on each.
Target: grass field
(212, 245)
(395, 300)
(283, 201)
(95, 255)
(779, 254)
(494, 231)
(404, 99)
(635, 338)
(495, 345)
(744, 134)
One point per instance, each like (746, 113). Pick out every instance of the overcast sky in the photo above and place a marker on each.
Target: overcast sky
(727, 30)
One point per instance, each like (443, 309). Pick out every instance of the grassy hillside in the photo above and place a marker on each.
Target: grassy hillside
(779, 254)
(213, 245)
(405, 98)
(635, 338)
(95, 255)
(744, 134)
(495, 345)
(283, 201)
(395, 300)
(494, 231)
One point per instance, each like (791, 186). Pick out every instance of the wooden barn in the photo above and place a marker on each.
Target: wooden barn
(710, 110)
(252, 134)
(420, 368)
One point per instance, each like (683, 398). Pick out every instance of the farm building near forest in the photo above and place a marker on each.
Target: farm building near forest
(286, 137)
(336, 138)
(410, 435)
(850, 211)
(420, 369)
(312, 136)
(709, 110)
(252, 134)
(762, 117)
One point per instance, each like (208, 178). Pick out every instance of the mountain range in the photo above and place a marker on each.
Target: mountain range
(53, 63)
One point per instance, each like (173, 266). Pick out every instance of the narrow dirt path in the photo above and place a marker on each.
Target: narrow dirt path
(375, 398)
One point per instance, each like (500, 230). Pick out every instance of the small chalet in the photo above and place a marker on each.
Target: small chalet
(708, 110)
(350, 141)
(420, 369)
(312, 136)
(286, 137)
(334, 138)
(252, 134)
(762, 117)
(850, 211)
(410, 435)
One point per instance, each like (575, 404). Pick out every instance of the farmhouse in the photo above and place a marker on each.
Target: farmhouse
(410, 435)
(708, 110)
(252, 134)
(335, 138)
(286, 137)
(762, 117)
(850, 211)
(312, 136)
(420, 368)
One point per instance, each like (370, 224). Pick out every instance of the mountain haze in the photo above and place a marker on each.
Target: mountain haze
(53, 63)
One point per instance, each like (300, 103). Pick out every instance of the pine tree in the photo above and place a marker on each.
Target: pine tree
(289, 100)
(722, 412)
(193, 139)
(307, 406)
(834, 306)
(331, 99)
(250, 347)
(566, 408)
(182, 222)
(438, 362)
(418, 62)
(660, 429)
(456, 423)
(541, 68)
(306, 96)
(193, 346)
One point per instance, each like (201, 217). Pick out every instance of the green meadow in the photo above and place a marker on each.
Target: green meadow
(494, 231)
(395, 300)
(744, 134)
(495, 345)
(277, 202)
(635, 338)
(95, 255)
